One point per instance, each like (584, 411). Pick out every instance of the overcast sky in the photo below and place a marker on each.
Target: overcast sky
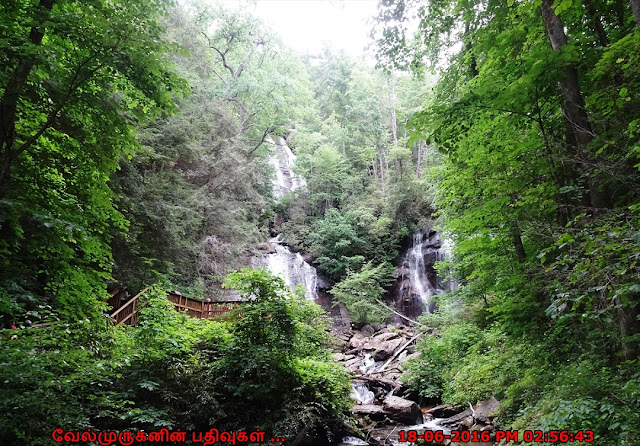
(305, 24)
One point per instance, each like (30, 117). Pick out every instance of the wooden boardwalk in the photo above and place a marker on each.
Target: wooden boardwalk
(125, 309)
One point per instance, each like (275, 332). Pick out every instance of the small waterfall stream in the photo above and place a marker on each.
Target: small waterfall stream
(418, 281)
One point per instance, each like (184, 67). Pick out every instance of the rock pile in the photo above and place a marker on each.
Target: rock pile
(378, 350)
(377, 355)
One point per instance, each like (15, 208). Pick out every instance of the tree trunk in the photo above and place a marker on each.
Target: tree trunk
(468, 46)
(13, 89)
(619, 10)
(629, 326)
(635, 7)
(597, 23)
(420, 155)
(392, 108)
(517, 242)
(573, 104)
(579, 131)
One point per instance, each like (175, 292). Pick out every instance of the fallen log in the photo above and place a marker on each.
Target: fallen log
(400, 314)
(397, 353)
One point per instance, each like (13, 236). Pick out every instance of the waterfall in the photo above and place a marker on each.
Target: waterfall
(290, 267)
(361, 393)
(417, 271)
(282, 161)
(418, 281)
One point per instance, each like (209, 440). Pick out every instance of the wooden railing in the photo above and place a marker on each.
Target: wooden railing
(126, 310)
(127, 313)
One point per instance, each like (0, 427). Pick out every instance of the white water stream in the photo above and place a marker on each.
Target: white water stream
(420, 282)
(417, 270)
(282, 161)
(289, 266)
(292, 268)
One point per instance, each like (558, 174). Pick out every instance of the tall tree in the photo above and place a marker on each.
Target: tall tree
(74, 81)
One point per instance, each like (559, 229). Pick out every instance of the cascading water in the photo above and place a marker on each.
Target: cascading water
(361, 393)
(417, 271)
(282, 161)
(418, 281)
(290, 266)
(368, 365)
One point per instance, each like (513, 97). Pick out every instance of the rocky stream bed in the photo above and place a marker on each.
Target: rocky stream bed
(376, 355)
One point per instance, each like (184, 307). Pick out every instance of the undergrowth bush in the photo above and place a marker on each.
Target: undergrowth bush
(547, 383)
(266, 368)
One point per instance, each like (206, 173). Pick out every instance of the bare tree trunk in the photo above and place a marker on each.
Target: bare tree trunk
(629, 326)
(579, 131)
(635, 7)
(419, 160)
(384, 174)
(468, 46)
(394, 126)
(392, 108)
(573, 104)
(12, 90)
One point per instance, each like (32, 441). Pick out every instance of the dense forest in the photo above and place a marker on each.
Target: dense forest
(137, 145)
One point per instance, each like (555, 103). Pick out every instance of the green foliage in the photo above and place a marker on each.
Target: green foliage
(196, 196)
(543, 210)
(439, 356)
(263, 369)
(336, 242)
(360, 292)
(100, 69)
(276, 367)
(365, 194)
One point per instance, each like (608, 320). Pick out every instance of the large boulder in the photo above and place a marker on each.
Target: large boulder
(367, 330)
(382, 337)
(376, 413)
(266, 248)
(444, 411)
(387, 348)
(486, 410)
(455, 421)
(383, 345)
(402, 410)
(358, 340)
